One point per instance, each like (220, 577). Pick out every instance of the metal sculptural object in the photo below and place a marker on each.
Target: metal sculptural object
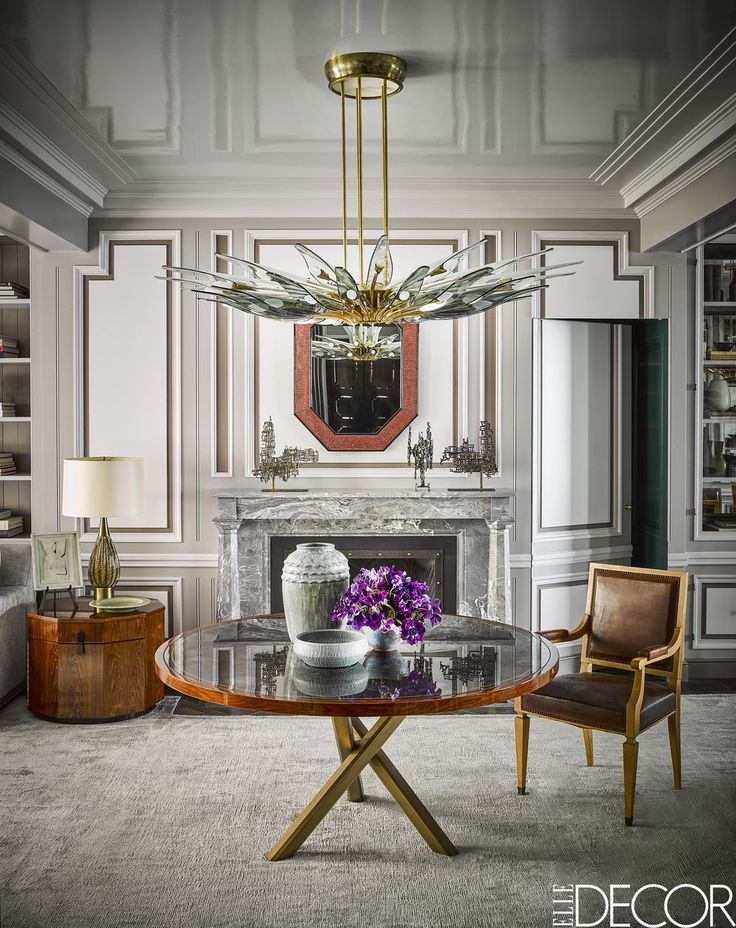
(367, 300)
(281, 466)
(479, 665)
(270, 665)
(466, 459)
(421, 453)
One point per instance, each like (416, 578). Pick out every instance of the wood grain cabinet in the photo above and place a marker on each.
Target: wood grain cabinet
(93, 667)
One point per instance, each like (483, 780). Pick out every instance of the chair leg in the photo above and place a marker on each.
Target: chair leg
(631, 753)
(588, 735)
(673, 722)
(521, 726)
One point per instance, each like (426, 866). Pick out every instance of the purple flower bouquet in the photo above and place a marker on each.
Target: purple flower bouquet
(386, 601)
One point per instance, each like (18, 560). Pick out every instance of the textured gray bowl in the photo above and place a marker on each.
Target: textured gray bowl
(330, 682)
(331, 647)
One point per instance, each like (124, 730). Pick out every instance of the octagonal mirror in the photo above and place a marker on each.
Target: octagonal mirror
(354, 405)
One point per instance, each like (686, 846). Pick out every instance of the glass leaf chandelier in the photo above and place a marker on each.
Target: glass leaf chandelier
(368, 307)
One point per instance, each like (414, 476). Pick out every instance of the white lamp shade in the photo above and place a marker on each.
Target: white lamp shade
(103, 487)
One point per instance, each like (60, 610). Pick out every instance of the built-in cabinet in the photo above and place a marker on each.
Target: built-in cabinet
(15, 388)
(710, 555)
(715, 414)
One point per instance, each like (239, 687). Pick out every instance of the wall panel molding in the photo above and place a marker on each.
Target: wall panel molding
(169, 357)
(222, 400)
(621, 270)
(708, 599)
(570, 556)
(559, 612)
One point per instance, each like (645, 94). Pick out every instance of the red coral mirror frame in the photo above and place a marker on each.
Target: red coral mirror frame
(395, 425)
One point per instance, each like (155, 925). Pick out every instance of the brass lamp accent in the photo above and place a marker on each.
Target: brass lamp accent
(367, 303)
(104, 563)
(102, 487)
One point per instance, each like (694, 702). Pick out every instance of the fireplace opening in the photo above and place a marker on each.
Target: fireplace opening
(431, 558)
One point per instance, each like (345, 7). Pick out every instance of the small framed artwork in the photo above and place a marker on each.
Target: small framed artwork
(57, 564)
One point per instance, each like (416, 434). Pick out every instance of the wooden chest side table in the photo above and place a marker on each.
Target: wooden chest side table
(89, 666)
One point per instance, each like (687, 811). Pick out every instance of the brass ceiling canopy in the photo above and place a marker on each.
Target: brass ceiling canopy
(374, 69)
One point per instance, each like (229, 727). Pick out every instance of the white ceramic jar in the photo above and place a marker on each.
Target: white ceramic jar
(314, 577)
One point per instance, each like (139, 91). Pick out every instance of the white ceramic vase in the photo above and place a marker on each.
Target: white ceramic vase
(718, 395)
(314, 577)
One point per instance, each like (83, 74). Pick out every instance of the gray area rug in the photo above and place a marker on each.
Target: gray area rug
(164, 822)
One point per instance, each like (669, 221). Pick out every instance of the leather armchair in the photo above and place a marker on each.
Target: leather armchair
(634, 621)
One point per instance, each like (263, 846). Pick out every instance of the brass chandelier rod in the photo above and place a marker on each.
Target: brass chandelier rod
(344, 180)
(384, 142)
(359, 142)
(364, 76)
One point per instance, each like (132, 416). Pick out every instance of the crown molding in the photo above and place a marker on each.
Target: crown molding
(26, 137)
(411, 198)
(721, 121)
(683, 179)
(57, 121)
(664, 127)
(43, 179)
(685, 137)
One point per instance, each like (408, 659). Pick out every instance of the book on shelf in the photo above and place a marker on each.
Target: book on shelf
(12, 289)
(11, 532)
(5, 513)
(7, 525)
(9, 353)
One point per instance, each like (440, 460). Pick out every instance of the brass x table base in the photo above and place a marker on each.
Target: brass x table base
(358, 747)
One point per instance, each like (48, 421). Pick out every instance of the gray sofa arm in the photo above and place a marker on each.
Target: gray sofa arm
(15, 565)
(16, 598)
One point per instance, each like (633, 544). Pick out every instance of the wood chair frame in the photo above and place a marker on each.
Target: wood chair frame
(645, 663)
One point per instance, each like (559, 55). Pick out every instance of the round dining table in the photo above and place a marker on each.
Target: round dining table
(462, 663)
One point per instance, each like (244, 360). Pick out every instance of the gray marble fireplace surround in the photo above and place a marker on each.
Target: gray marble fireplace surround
(247, 520)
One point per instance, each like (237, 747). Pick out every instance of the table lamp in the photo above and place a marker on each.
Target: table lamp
(102, 488)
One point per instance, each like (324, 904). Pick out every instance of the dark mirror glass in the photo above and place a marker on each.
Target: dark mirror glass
(355, 397)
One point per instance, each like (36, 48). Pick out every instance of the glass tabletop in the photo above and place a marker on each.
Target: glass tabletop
(462, 662)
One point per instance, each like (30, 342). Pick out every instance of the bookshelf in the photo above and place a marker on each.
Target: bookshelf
(15, 386)
(715, 477)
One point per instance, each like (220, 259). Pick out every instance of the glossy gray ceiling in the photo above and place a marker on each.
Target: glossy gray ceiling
(235, 88)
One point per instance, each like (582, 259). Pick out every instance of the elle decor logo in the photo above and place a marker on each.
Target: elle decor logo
(620, 905)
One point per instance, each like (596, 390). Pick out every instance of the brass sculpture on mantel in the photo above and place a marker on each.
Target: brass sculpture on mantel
(282, 466)
(421, 454)
(466, 459)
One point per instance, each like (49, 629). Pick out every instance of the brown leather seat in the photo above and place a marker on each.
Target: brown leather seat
(597, 700)
(633, 623)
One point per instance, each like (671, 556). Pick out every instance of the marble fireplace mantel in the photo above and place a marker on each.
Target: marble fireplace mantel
(248, 518)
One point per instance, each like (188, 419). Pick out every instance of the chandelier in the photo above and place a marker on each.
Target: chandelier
(368, 307)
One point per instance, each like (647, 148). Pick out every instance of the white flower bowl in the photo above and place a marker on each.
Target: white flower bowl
(331, 647)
